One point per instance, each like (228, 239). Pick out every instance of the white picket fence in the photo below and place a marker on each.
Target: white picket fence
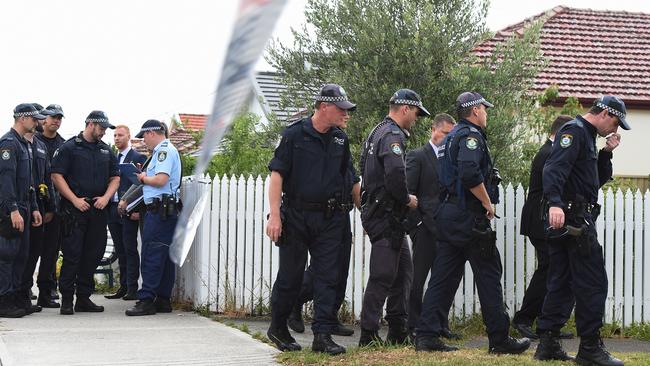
(232, 264)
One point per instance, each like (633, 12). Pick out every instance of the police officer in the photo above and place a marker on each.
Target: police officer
(43, 186)
(17, 206)
(309, 175)
(46, 280)
(385, 204)
(85, 172)
(573, 173)
(469, 188)
(161, 182)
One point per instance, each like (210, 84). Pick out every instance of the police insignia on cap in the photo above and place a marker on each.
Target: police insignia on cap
(162, 156)
(395, 148)
(6, 154)
(566, 140)
(471, 143)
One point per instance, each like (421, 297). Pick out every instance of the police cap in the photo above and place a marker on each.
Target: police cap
(27, 110)
(150, 125)
(100, 118)
(470, 99)
(334, 93)
(614, 106)
(409, 97)
(54, 110)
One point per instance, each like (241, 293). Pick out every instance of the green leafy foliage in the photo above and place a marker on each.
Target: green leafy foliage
(374, 47)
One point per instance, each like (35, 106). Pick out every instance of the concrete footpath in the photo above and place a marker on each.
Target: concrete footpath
(111, 338)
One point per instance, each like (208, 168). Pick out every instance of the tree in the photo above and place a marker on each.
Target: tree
(374, 47)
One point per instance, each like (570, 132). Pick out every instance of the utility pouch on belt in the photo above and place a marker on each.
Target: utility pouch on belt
(7, 230)
(486, 238)
(583, 238)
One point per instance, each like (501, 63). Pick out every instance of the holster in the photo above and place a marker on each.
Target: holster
(486, 238)
(67, 221)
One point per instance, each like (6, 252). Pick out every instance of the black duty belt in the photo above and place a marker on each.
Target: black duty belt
(329, 205)
(154, 206)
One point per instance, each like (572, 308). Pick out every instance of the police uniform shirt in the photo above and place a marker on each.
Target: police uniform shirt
(86, 166)
(384, 165)
(164, 159)
(15, 174)
(314, 166)
(575, 166)
(465, 149)
(51, 143)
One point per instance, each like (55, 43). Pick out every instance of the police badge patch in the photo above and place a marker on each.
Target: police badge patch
(566, 140)
(471, 143)
(162, 156)
(395, 148)
(5, 154)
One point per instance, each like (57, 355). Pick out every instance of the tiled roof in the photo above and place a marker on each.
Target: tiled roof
(590, 53)
(195, 122)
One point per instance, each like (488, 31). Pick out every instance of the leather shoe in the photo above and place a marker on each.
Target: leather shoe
(142, 307)
(295, 321)
(511, 346)
(525, 330)
(85, 305)
(283, 339)
(130, 295)
(120, 293)
(447, 333)
(162, 305)
(47, 302)
(342, 330)
(66, 307)
(432, 344)
(323, 343)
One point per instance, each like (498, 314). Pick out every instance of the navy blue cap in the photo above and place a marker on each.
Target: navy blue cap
(334, 93)
(150, 125)
(53, 110)
(470, 99)
(409, 97)
(27, 110)
(100, 118)
(615, 106)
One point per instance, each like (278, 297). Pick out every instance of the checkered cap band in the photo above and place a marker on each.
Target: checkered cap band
(25, 114)
(97, 120)
(473, 103)
(320, 98)
(407, 101)
(155, 128)
(611, 110)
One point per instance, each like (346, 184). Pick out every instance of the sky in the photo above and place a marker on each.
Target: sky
(142, 59)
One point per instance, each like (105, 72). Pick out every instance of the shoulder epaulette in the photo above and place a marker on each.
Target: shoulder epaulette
(395, 130)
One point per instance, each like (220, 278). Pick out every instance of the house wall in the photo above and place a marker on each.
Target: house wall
(631, 159)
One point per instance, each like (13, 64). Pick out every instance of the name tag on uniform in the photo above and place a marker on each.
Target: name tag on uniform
(104, 151)
(40, 150)
(339, 141)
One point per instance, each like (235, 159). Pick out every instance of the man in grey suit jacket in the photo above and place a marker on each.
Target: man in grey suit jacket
(422, 181)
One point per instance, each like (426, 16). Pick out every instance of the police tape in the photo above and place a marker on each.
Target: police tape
(251, 32)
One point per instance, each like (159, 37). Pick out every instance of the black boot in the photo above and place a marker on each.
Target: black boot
(8, 308)
(283, 339)
(342, 330)
(142, 307)
(162, 305)
(550, 348)
(431, 344)
(447, 333)
(22, 300)
(397, 334)
(66, 306)
(323, 343)
(511, 346)
(369, 337)
(525, 330)
(85, 305)
(592, 352)
(130, 295)
(295, 321)
(119, 294)
(45, 300)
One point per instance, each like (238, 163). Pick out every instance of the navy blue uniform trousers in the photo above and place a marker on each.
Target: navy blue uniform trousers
(343, 261)
(13, 257)
(82, 251)
(574, 273)
(309, 231)
(448, 270)
(124, 233)
(158, 270)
